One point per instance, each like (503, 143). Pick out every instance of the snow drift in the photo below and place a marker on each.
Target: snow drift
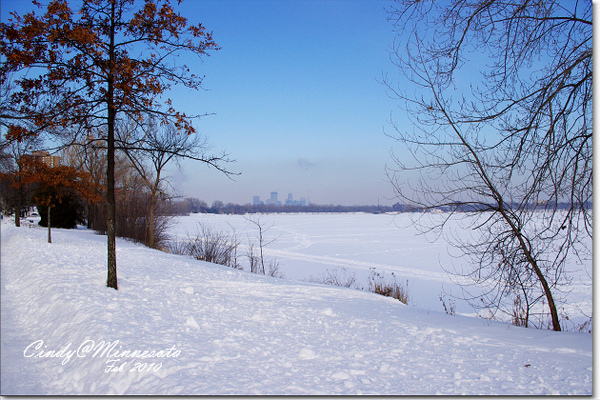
(180, 326)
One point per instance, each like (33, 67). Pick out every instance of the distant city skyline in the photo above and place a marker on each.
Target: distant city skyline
(295, 98)
(274, 200)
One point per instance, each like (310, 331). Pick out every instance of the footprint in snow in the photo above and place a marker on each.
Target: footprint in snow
(340, 375)
(191, 322)
(306, 354)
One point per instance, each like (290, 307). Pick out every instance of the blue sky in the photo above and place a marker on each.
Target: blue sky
(296, 100)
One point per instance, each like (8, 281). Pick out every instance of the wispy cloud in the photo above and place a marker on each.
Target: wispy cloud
(304, 163)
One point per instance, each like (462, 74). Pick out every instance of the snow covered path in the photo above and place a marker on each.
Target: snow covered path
(208, 329)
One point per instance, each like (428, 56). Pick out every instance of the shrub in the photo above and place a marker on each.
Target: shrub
(378, 284)
(586, 326)
(256, 267)
(209, 245)
(65, 214)
(520, 315)
(176, 247)
(214, 246)
(336, 277)
(274, 269)
(219, 247)
(450, 308)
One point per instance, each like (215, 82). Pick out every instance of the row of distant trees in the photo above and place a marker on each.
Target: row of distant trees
(194, 205)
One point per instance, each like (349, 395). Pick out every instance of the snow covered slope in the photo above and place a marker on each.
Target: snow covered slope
(308, 245)
(180, 326)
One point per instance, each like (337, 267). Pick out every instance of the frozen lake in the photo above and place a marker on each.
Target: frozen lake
(307, 245)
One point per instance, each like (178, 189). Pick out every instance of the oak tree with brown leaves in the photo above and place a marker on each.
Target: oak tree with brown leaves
(56, 185)
(88, 69)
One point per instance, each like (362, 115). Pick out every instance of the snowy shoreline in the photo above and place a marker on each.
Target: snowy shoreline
(307, 246)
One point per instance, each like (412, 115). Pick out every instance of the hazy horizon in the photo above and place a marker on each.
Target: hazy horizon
(294, 96)
(297, 101)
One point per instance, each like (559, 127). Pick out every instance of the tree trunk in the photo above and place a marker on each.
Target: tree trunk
(18, 207)
(260, 240)
(110, 170)
(49, 229)
(110, 200)
(533, 263)
(505, 215)
(548, 293)
(151, 219)
(89, 216)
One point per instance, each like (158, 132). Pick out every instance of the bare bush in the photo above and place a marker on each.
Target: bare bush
(389, 288)
(257, 261)
(256, 267)
(176, 247)
(220, 247)
(586, 326)
(212, 246)
(377, 283)
(274, 270)
(449, 308)
(337, 277)
(520, 314)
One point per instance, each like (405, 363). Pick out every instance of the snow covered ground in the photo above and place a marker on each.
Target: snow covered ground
(180, 326)
(307, 245)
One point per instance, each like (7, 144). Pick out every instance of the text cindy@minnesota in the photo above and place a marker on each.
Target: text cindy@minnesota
(101, 349)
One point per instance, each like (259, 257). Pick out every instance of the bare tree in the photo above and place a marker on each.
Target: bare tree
(89, 154)
(151, 148)
(257, 261)
(512, 145)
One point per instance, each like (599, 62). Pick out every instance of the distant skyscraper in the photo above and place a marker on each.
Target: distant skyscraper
(256, 200)
(273, 200)
(291, 202)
